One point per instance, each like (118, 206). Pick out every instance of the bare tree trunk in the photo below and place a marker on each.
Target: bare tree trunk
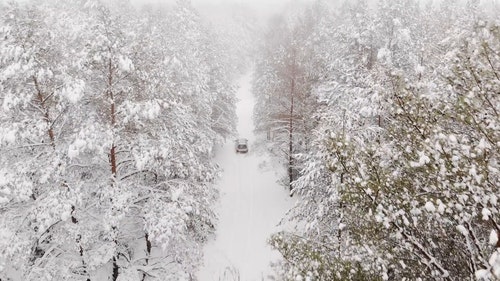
(148, 251)
(46, 115)
(112, 154)
(115, 269)
(112, 157)
(290, 138)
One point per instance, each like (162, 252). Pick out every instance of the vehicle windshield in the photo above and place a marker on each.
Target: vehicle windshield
(242, 146)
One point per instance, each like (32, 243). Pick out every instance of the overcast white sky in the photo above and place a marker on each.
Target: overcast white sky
(197, 2)
(254, 3)
(218, 8)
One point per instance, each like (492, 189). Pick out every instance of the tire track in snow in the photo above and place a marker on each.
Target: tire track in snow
(250, 207)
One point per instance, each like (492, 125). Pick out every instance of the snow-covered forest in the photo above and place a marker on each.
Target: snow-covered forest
(381, 116)
(387, 119)
(108, 120)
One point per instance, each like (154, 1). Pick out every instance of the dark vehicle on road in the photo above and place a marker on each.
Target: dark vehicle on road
(241, 145)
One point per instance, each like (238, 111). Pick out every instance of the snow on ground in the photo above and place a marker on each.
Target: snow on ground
(251, 205)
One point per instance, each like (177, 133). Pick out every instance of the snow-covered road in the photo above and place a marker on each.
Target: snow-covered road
(250, 207)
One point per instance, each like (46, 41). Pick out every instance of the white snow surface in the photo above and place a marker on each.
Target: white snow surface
(250, 208)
